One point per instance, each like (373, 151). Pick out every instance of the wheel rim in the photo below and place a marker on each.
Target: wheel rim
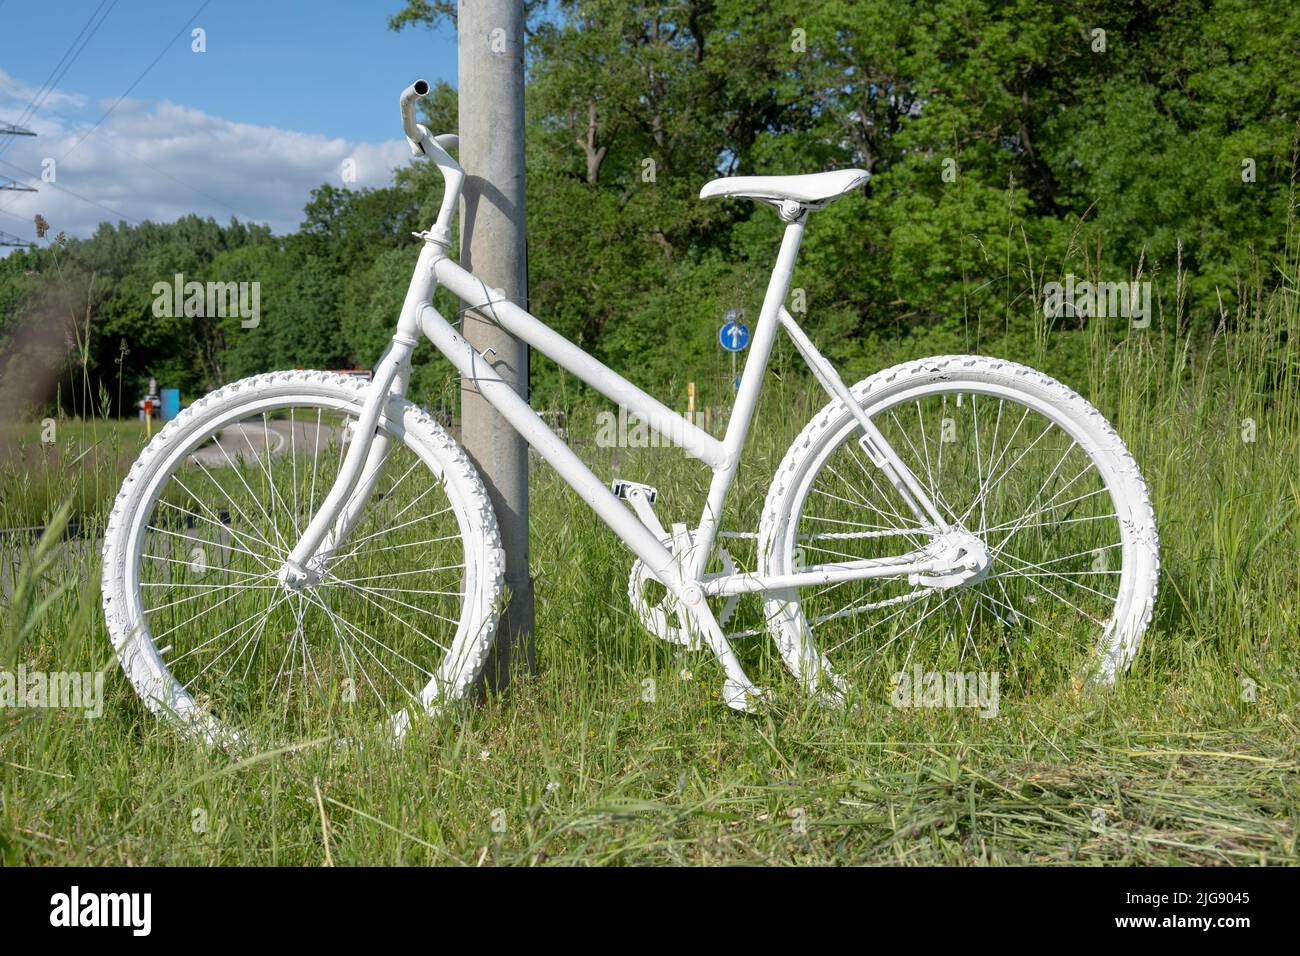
(368, 642)
(1008, 467)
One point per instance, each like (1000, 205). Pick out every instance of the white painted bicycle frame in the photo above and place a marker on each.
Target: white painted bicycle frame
(681, 574)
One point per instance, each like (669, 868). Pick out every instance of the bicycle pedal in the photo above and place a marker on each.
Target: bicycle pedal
(622, 489)
(745, 698)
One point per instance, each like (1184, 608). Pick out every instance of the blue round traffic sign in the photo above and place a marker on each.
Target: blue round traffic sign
(733, 336)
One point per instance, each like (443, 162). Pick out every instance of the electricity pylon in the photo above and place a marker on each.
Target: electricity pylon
(12, 185)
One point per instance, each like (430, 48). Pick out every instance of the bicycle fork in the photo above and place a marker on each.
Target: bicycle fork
(367, 449)
(359, 474)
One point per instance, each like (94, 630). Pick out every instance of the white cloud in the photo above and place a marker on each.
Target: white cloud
(15, 95)
(160, 161)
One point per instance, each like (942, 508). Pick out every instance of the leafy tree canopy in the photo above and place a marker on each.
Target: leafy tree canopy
(1010, 142)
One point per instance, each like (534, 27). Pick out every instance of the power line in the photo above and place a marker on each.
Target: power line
(76, 195)
(7, 184)
(9, 239)
(116, 103)
(51, 81)
(15, 218)
(46, 88)
(136, 81)
(107, 141)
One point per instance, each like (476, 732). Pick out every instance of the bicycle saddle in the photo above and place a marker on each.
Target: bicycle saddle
(813, 189)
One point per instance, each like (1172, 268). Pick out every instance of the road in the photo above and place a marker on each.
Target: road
(251, 435)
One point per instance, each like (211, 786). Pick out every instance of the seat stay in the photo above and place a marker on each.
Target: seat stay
(874, 444)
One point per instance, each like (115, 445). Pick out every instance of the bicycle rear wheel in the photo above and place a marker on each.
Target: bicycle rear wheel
(1014, 459)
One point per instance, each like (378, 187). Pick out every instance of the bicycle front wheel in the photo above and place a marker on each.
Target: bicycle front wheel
(1023, 468)
(397, 618)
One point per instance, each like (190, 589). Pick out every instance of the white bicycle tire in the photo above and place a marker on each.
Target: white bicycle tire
(407, 422)
(1135, 602)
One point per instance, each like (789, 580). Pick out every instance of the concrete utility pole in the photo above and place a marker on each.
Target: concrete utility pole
(491, 52)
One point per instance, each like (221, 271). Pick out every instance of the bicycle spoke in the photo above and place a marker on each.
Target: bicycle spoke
(236, 636)
(1032, 496)
(239, 473)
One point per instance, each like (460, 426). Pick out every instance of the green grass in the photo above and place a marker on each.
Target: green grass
(48, 462)
(1191, 758)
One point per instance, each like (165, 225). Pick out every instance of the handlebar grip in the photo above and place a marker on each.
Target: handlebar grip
(409, 96)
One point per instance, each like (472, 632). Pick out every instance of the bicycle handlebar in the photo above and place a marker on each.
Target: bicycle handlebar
(424, 143)
(409, 96)
(414, 131)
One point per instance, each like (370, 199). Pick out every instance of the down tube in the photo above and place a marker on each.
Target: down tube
(538, 434)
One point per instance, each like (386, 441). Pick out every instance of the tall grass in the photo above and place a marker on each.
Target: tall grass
(619, 750)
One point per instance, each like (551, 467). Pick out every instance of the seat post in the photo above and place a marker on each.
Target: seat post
(791, 211)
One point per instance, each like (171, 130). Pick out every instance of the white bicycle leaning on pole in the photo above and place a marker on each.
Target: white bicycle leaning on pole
(314, 547)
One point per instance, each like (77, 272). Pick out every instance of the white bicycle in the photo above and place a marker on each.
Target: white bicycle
(316, 547)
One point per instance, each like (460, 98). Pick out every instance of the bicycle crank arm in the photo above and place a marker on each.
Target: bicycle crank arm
(738, 691)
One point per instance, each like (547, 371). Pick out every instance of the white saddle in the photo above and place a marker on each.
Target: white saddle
(813, 190)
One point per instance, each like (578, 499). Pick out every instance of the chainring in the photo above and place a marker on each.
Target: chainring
(660, 617)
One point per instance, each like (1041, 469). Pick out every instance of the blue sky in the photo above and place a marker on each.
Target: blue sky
(286, 91)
